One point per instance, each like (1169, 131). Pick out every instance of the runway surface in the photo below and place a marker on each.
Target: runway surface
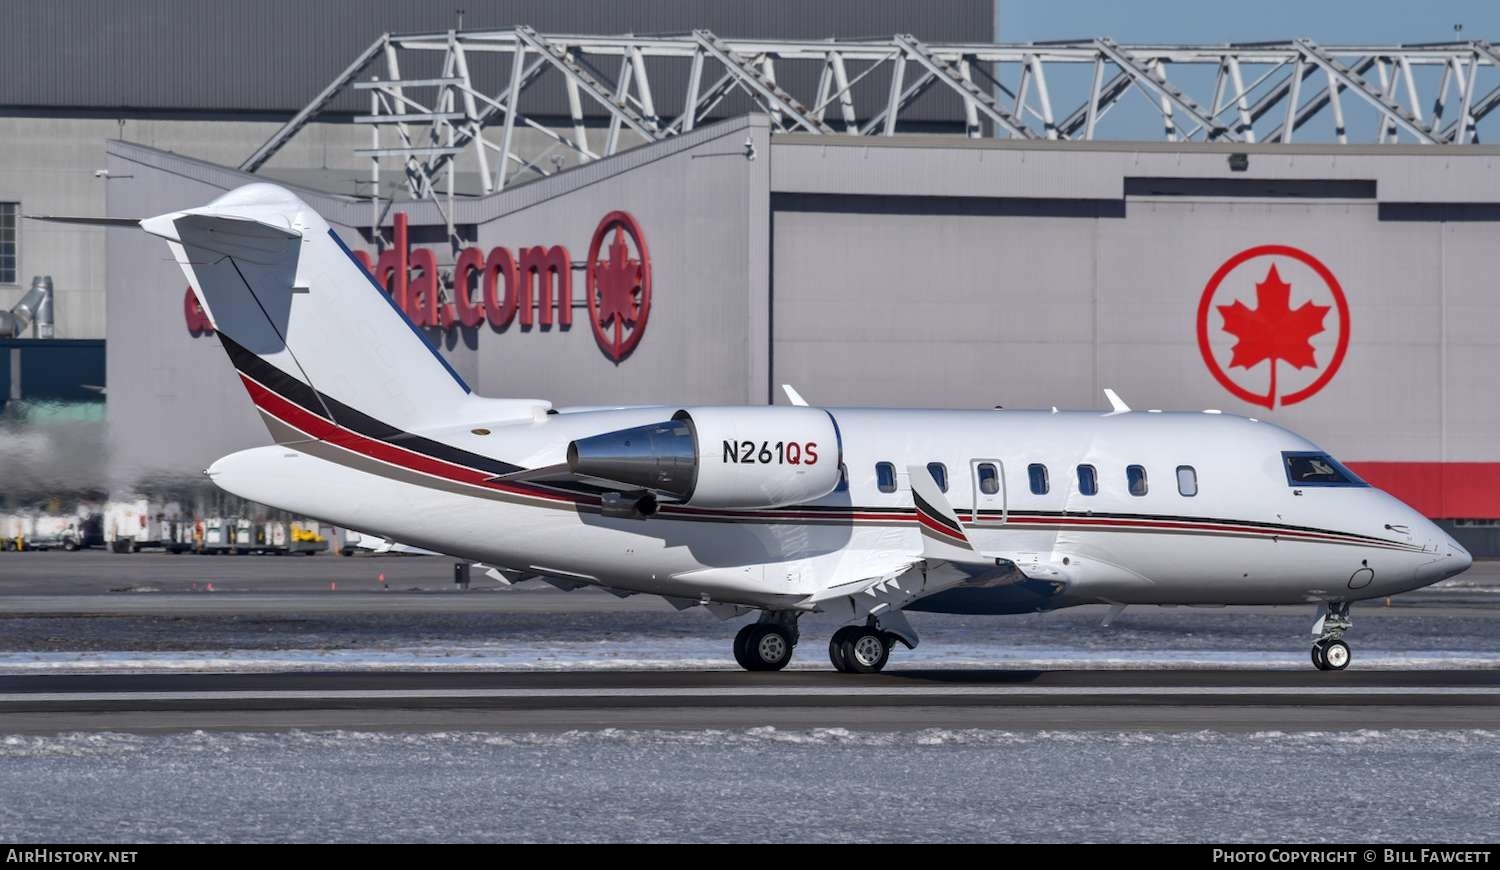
(1120, 699)
(153, 642)
(151, 697)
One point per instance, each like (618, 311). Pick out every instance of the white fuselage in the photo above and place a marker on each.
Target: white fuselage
(1245, 536)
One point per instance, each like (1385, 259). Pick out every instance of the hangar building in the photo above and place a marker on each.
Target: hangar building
(905, 222)
(934, 272)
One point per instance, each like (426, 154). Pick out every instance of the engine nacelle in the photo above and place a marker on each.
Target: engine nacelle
(721, 457)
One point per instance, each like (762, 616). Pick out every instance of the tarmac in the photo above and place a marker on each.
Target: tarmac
(1217, 700)
(99, 606)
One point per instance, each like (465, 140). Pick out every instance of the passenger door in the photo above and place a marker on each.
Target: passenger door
(987, 483)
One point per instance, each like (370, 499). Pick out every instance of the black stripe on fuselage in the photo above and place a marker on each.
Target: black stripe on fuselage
(309, 399)
(987, 516)
(249, 363)
(294, 390)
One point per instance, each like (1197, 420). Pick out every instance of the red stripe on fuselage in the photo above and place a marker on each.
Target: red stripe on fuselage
(318, 427)
(331, 433)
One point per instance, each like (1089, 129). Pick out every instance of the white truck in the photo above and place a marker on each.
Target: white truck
(43, 530)
(133, 524)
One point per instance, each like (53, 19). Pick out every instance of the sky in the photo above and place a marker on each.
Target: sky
(1327, 21)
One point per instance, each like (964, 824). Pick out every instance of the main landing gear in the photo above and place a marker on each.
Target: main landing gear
(859, 649)
(767, 645)
(865, 649)
(1329, 652)
(854, 649)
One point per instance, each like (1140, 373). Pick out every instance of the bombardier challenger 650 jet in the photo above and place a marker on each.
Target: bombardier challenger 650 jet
(860, 512)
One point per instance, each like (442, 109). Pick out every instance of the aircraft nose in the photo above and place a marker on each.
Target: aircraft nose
(1458, 556)
(1453, 559)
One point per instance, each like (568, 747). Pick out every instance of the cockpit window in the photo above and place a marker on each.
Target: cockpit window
(1306, 468)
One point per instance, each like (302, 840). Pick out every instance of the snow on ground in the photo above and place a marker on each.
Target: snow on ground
(756, 784)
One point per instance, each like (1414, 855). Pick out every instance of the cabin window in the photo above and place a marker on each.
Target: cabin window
(1187, 480)
(939, 473)
(1037, 473)
(1088, 480)
(1310, 468)
(1135, 478)
(885, 476)
(989, 478)
(843, 485)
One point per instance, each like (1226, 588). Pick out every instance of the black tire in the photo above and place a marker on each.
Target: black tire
(770, 647)
(836, 648)
(1317, 656)
(1336, 655)
(866, 651)
(70, 545)
(742, 647)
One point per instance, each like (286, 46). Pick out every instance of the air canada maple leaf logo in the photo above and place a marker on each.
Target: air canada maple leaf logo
(1273, 337)
(618, 285)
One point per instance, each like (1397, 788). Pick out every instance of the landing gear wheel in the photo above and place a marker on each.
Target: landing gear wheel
(742, 646)
(770, 648)
(836, 648)
(1317, 656)
(1335, 655)
(866, 651)
(763, 647)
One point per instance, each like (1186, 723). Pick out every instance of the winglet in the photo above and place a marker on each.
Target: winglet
(1116, 404)
(793, 396)
(935, 515)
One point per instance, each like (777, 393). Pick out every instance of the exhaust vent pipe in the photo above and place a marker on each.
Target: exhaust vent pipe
(34, 309)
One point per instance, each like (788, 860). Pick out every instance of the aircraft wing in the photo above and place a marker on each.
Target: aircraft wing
(949, 559)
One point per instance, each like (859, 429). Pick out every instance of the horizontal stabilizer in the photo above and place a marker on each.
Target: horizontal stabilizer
(251, 240)
(85, 221)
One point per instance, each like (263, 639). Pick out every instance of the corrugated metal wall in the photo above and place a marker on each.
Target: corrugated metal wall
(274, 55)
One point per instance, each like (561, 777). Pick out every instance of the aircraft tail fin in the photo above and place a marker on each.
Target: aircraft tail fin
(315, 340)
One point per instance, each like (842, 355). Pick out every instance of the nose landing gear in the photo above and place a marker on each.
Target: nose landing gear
(1329, 651)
